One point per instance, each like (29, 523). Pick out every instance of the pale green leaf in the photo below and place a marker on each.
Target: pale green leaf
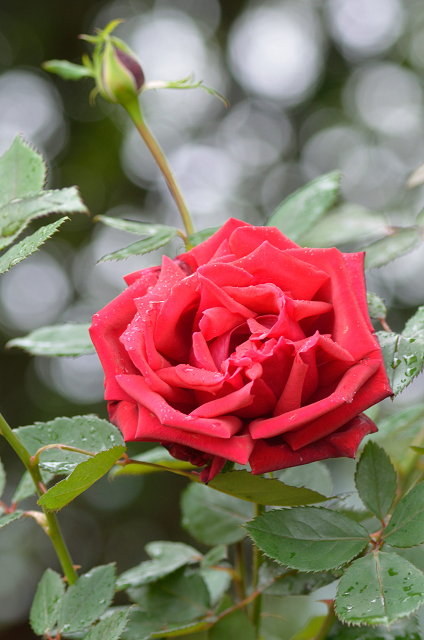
(111, 627)
(10, 517)
(379, 589)
(157, 455)
(143, 626)
(315, 476)
(403, 358)
(217, 581)
(26, 487)
(68, 340)
(235, 626)
(67, 70)
(215, 555)
(415, 325)
(22, 171)
(375, 480)
(133, 226)
(376, 306)
(45, 607)
(302, 209)
(406, 526)
(141, 247)
(25, 247)
(400, 242)
(83, 476)
(200, 236)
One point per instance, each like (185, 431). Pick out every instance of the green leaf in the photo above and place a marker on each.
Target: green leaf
(246, 486)
(68, 340)
(157, 455)
(400, 242)
(290, 583)
(235, 626)
(29, 245)
(83, 432)
(376, 306)
(346, 224)
(302, 209)
(308, 538)
(22, 171)
(311, 630)
(379, 589)
(200, 236)
(87, 599)
(315, 475)
(397, 431)
(143, 626)
(212, 517)
(133, 226)
(26, 487)
(111, 627)
(217, 582)
(2, 478)
(10, 517)
(142, 246)
(83, 476)
(45, 607)
(67, 70)
(215, 555)
(177, 598)
(405, 629)
(415, 325)
(16, 215)
(167, 557)
(406, 526)
(375, 480)
(403, 358)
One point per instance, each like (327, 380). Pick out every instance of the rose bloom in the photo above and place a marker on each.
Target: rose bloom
(247, 348)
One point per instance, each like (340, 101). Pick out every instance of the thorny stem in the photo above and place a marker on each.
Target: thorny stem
(133, 109)
(53, 529)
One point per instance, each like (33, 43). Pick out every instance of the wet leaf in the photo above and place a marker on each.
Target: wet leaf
(403, 358)
(414, 328)
(22, 171)
(111, 627)
(141, 247)
(45, 607)
(375, 480)
(68, 340)
(376, 306)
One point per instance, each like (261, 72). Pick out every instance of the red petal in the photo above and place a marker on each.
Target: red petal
(227, 404)
(291, 397)
(246, 239)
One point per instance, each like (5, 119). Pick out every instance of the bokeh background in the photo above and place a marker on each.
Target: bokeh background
(314, 85)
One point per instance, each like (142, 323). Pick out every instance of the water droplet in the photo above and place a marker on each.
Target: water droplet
(410, 359)
(392, 572)
(410, 372)
(395, 363)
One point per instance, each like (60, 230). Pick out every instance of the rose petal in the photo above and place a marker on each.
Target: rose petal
(226, 404)
(355, 268)
(291, 397)
(218, 321)
(200, 355)
(307, 308)
(209, 473)
(124, 415)
(244, 240)
(152, 272)
(192, 378)
(261, 298)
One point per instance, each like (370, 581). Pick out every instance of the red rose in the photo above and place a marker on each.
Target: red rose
(246, 348)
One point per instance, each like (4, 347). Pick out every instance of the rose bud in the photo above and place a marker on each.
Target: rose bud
(122, 77)
(246, 348)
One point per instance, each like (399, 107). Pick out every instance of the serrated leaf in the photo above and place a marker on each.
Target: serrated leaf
(246, 486)
(167, 557)
(157, 455)
(2, 478)
(379, 589)
(10, 517)
(308, 538)
(397, 431)
(67, 340)
(133, 226)
(81, 478)
(87, 599)
(45, 607)
(29, 245)
(217, 582)
(83, 432)
(16, 215)
(235, 626)
(376, 306)
(405, 629)
(212, 517)
(67, 70)
(315, 475)
(302, 209)
(291, 583)
(403, 358)
(215, 555)
(111, 627)
(406, 526)
(415, 325)
(375, 479)
(200, 236)
(400, 242)
(141, 247)
(22, 171)
(346, 224)
(26, 487)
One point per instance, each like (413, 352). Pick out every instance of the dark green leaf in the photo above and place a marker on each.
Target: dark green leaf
(212, 517)
(375, 480)
(376, 306)
(405, 629)
(383, 251)
(158, 455)
(214, 556)
(22, 171)
(69, 339)
(111, 627)
(379, 589)
(2, 478)
(246, 486)
(143, 626)
(29, 245)
(308, 538)
(346, 224)
(26, 487)
(67, 70)
(142, 246)
(314, 476)
(10, 517)
(292, 583)
(415, 325)
(217, 581)
(133, 226)
(166, 558)
(301, 210)
(177, 598)
(403, 358)
(45, 607)
(406, 526)
(83, 476)
(235, 626)
(83, 432)
(200, 236)
(87, 599)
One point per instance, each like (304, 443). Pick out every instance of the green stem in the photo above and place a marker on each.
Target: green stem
(53, 525)
(256, 563)
(328, 622)
(134, 111)
(240, 570)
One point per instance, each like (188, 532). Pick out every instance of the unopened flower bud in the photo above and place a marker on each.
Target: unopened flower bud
(122, 77)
